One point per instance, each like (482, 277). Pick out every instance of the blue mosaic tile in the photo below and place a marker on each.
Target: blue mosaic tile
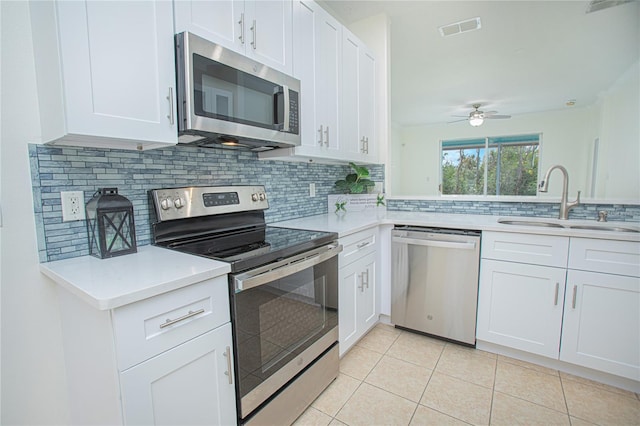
(56, 169)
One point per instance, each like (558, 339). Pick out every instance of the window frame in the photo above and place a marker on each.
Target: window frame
(487, 145)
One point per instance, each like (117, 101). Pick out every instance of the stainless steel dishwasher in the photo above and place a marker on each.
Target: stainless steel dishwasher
(434, 287)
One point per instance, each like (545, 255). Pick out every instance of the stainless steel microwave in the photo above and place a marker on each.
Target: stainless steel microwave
(226, 99)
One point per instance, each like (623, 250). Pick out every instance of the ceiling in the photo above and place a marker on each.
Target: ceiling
(528, 56)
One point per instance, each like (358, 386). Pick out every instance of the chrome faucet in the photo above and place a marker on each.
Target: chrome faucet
(565, 205)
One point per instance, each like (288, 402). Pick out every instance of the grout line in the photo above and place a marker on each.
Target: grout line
(493, 390)
(566, 404)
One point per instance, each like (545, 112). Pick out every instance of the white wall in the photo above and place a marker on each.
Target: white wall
(33, 376)
(567, 139)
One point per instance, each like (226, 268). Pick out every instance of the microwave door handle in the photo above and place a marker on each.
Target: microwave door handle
(287, 110)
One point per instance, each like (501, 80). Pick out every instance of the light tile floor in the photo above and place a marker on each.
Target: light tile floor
(393, 377)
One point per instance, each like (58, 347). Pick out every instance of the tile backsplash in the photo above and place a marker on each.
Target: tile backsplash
(616, 212)
(56, 169)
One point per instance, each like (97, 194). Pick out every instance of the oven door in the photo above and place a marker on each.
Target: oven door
(284, 316)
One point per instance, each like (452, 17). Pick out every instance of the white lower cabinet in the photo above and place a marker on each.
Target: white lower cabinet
(165, 360)
(187, 385)
(358, 287)
(601, 328)
(520, 306)
(587, 313)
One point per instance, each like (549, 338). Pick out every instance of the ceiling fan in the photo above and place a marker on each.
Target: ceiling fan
(477, 117)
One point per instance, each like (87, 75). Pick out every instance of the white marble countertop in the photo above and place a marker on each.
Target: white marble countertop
(111, 283)
(351, 222)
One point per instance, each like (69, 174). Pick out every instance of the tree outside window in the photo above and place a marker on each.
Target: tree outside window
(506, 165)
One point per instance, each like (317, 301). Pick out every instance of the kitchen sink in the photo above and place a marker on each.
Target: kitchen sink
(522, 222)
(567, 224)
(604, 228)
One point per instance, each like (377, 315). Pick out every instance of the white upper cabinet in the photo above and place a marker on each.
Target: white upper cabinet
(260, 30)
(316, 64)
(118, 73)
(357, 131)
(337, 75)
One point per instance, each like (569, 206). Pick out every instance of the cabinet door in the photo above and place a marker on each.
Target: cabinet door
(218, 21)
(367, 105)
(357, 131)
(305, 19)
(350, 124)
(348, 297)
(367, 298)
(328, 82)
(268, 33)
(118, 69)
(520, 306)
(186, 385)
(601, 328)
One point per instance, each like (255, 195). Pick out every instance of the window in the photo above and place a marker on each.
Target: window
(505, 165)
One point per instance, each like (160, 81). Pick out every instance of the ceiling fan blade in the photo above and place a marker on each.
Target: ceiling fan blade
(466, 116)
(489, 113)
(491, 117)
(456, 121)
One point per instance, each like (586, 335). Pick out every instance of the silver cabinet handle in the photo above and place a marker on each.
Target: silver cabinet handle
(366, 281)
(555, 299)
(367, 144)
(575, 293)
(254, 30)
(326, 132)
(169, 322)
(361, 245)
(170, 99)
(320, 131)
(362, 149)
(229, 373)
(361, 286)
(241, 22)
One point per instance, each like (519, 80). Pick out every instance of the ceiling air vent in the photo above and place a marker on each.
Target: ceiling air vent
(460, 27)
(597, 5)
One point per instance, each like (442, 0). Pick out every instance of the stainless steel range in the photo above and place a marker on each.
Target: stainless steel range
(283, 289)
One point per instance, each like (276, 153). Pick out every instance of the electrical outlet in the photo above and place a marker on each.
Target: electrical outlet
(312, 190)
(72, 205)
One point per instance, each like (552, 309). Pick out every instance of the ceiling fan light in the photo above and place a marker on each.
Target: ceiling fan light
(476, 119)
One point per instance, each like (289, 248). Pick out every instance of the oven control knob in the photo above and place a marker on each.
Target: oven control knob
(178, 202)
(165, 204)
(254, 197)
(262, 196)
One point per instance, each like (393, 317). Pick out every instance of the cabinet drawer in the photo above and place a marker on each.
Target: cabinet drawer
(614, 257)
(149, 327)
(357, 245)
(546, 250)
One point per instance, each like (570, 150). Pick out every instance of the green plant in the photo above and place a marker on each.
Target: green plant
(355, 183)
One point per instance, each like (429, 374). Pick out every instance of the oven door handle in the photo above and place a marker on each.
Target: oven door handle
(284, 268)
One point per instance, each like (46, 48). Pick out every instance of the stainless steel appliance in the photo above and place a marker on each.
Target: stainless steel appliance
(283, 289)
(226, 99)
(435, 281)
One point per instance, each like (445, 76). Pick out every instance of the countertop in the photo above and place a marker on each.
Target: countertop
(351, 222)
(111, 283)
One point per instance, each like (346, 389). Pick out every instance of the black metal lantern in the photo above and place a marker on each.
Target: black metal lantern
(110, 224)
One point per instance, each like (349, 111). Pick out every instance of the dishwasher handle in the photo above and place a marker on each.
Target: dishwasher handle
(471, 245)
